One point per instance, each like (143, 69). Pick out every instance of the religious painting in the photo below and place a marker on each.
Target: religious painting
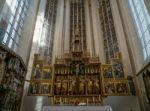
(37, 70)
(107, 71)
(121, 88)
(109, 88)
(117, 68)
(47, 71)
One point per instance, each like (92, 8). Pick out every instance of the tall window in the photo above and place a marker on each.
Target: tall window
(15, 22)
(142, 21)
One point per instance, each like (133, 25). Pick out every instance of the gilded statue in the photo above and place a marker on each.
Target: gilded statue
(82, 87)
(58, 87)
(96, 87)
(90, 86)
(64, 89)
(72, 86)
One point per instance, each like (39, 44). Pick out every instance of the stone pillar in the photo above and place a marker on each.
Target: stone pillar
(121, 38)
(27, 34)
(67, 26)
(97, 32)
(34, 48)
(89, 37)
(131, 34)
(57, 48)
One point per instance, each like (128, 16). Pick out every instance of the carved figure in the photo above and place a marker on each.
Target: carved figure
(72, 87)
(82, 87)
(96, 87)
(90, 86)
(58, 88)
(64, 89)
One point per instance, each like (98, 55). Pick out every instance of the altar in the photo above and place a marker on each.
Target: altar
(77, 108)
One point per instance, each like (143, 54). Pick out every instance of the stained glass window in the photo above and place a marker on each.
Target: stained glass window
(142, 22)
(15, 22)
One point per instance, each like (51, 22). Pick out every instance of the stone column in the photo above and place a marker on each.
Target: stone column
(131, 34)
(67, 27)
(34, 49)
(57, 48)
(89, 37)
(97, 32)
(121, 37)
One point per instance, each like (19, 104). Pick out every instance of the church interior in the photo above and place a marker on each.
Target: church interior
(74, 55)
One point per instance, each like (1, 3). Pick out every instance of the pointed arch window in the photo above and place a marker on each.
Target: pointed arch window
(142, 22)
